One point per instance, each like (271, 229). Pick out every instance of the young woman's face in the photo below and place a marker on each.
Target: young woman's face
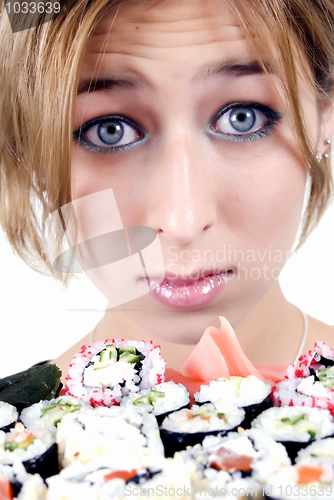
(189, 133)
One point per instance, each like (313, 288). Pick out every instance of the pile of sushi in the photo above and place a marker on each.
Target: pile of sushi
(122, 431)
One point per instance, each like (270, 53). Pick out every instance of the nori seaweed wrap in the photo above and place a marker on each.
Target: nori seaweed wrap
(30, 386)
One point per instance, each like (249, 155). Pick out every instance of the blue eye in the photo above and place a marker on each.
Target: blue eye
(109, 134)
(244, 121)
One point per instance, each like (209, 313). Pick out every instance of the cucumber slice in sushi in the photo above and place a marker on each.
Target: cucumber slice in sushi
(48, 414)
(188, 427)
(160, 400)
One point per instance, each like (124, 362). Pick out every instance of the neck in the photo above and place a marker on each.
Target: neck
(270, 334)
(273, 331)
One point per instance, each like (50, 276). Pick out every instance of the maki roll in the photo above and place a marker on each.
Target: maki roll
(317, 452)
(48, 414)
(107, 479)
(310, 382)
(249, 393)
(103, 373)
(36, 448)
(8, 416)
(160, 400)
(114, 432)
(295, 426)
(15, 482)
(301, 481)
(187, 427)
(250, 452)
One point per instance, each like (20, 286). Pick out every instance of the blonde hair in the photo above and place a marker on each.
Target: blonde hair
(39, 82)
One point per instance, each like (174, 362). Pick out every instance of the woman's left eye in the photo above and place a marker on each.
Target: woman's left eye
(108, 133)
(244, 121)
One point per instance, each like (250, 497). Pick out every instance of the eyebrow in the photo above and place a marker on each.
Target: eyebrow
(237, 69)
(228, 69)
(92, 85)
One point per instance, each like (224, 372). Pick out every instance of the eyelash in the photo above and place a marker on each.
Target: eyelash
(272, 117)
(79, 135)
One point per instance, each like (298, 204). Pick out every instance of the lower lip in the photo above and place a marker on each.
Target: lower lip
(191, 296)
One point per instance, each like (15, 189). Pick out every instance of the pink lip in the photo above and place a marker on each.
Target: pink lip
(187, 293)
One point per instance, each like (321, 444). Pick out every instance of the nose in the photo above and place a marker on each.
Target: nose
(182, 203)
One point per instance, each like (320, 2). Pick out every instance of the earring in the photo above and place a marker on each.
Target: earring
(319, 156)
(328, 142)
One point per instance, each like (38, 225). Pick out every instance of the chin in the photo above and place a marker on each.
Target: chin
(180, 327)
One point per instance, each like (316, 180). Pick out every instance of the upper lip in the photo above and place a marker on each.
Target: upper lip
(184, 278)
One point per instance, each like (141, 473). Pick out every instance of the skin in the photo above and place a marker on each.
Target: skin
(200, 190)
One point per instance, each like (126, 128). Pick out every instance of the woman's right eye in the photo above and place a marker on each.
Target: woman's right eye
(109, 134)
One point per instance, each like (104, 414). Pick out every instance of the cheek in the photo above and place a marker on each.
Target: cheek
(265, 202)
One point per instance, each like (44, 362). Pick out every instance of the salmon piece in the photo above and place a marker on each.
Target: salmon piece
(225, 459)
(6, 490)
(121, 474)
(308, 474)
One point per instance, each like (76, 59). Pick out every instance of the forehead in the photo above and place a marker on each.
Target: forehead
(186, 35)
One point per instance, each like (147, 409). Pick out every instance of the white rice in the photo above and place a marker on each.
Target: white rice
(317, 420)
(179, 421)
(8, 414)
(175, 397)
(238, 390)
(115, 431)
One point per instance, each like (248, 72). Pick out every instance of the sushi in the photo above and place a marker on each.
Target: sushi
(35, 448)
(249, 393)
(103, 373)
(187, 427)
(310, 382)
(295, 426)
(161, 400)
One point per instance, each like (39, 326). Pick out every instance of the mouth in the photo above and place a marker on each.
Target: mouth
(187, 292)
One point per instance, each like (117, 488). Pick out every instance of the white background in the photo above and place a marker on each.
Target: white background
(39, 321)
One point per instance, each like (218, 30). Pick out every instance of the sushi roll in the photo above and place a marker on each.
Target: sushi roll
(249, 393)
(301, 481)
(48, 414)
(161, 399)
(103, 373)
(310, 382)
(102, 479)
(221, 459)
(251, 452)
(36, 448)
(187, 427)
(317, 452)
(16, 482)
(8, 416)
(114, 432)
(295, 426)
